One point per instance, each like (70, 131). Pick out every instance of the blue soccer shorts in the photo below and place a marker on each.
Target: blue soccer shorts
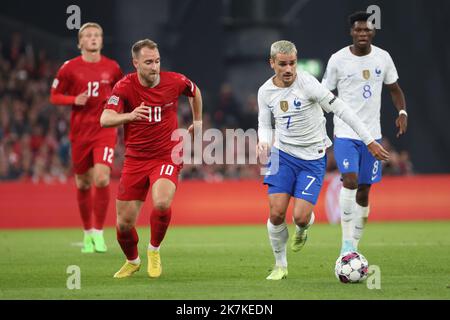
(300, 178)
(353, 156)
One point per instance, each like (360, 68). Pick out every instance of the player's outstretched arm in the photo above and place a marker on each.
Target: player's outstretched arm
(111, 118)
(398, 98)
(60, 85)
(333, 104)
(60, 99)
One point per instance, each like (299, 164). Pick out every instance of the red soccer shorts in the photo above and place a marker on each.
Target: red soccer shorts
(86, 154)
(138, 176)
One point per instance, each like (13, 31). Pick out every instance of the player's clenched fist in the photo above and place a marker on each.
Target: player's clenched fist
(81, 99)
(378, 151)
(139, 113)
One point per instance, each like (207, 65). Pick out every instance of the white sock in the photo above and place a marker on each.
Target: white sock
(152, 248)
(278, 236)
(97, 232)
(361, 214)
(299, 229)
(88, 232)
(347, 202)
(135, 261)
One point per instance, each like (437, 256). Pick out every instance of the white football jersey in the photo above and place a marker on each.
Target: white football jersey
(359, 81)
(299, 120)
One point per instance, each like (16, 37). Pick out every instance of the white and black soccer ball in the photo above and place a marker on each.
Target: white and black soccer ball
(351, 267)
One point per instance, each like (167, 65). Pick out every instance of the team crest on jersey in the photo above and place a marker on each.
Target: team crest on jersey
(297, 103)
(366, 74)
(377, 71)
(284, 105)
(346, 163)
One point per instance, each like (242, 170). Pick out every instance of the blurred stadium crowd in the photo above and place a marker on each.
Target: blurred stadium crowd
(34, 143)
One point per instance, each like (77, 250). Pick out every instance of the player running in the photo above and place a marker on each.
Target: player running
(297, 160)
(84, 83)
(358, 72)
(146, 103)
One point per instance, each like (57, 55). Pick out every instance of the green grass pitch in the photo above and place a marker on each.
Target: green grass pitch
(228, 262)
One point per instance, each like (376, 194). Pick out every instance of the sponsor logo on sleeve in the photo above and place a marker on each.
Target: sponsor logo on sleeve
(114, 100)
(55, 83)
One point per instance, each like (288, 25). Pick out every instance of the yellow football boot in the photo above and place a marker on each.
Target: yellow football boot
(278, 273)
(127, 270)
(154, 264)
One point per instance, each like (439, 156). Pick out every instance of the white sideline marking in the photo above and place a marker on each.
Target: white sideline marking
(334, 244)
(76, 244)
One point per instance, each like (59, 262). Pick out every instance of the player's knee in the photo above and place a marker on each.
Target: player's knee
(101, 180)
(83, 184)
(83, 181)
(162, 203)
(277, 215)
(124, 223)
(301, 221)
(362, 197)
(124, 226)
(350, 182)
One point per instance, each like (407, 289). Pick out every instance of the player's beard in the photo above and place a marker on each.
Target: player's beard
(151, 79)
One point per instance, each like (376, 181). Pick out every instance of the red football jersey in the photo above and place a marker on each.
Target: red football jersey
(151, 139)
(97, 78)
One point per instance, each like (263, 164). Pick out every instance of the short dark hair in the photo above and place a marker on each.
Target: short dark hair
(358, 16)
(146, 43)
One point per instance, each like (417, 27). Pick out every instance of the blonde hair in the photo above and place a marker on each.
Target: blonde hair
(85, 26)
(145, 43)
(282, 46)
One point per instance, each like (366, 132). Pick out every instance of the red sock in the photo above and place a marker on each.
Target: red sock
(101, 201)
(85, 205)
(128, 241)
(159, 222)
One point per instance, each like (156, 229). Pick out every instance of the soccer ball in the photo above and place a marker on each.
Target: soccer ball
(351, 267)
